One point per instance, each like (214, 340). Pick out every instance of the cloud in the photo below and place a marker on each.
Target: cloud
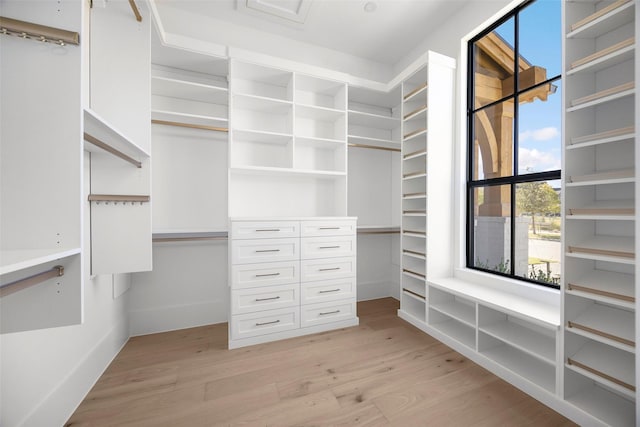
(542, 134)
(537, 161)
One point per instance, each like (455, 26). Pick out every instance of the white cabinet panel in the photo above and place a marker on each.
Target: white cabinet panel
(264, 274)
(264, 298)
(316, 314)
(328, 290)
(264, 230)
(328, 228)
(265, 250)
(327, 247)
(330, 268)
(264, 322)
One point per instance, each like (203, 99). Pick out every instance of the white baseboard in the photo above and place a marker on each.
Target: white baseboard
(171, 318)
(63, 400)
(374, 290)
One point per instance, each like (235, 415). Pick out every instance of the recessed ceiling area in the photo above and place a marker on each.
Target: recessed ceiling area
(381, 31)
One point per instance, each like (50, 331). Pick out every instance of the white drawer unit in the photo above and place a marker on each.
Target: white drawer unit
(331, 227)
(327, 247)
(327, 268)
(328, 290)
(316, 314)
(264, 229)
(290, 277)
(265, 250)
(265, 298)
(264, 322)
(264, 274)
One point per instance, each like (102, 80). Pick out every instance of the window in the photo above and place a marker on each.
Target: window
(514, 149)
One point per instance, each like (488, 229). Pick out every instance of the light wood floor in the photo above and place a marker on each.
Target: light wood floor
(383, 372)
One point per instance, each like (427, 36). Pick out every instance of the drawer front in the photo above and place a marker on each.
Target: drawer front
(328, 290)
(325, 269)
(264, 274)
(328, 228)
(264, 230)
(317, 314)
(264, 298)
(264, 250)
(264, 322)
(326, 247)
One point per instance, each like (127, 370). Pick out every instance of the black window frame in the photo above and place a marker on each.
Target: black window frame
(515, 178)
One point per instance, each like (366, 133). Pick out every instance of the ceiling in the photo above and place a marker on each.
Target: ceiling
(385, 35)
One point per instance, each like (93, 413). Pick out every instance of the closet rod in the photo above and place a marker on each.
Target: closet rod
(187, 239)
(29, 30)
(106, 147)
(136, 12)
(118, 198)
(189, 125)
(373, 147)
(27, 282)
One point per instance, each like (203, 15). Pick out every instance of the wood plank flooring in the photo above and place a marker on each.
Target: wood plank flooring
(381, 373)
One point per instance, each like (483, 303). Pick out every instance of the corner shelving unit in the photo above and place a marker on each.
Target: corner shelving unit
(600, 198)
(288, 137)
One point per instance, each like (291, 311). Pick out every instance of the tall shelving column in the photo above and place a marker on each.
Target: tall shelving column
(427, 162)
(599, 182)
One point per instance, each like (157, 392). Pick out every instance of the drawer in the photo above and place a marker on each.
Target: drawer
(325, 247)
(264, 274)
(264, 250)
(264, 322)
(328, 290)
(264, 298)
(317, 314)
(328, 228)
(264, 229)
(330, 268)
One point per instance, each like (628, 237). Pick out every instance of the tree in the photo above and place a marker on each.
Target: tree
(537, 198)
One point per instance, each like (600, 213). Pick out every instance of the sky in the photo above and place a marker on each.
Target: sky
(539, 126)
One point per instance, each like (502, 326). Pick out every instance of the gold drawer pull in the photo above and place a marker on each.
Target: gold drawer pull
(268, 323)
(330, 290)
(267, 275)
(329, 269)
(268, 250)
(267, 299)
(329, 312)
(329, 247)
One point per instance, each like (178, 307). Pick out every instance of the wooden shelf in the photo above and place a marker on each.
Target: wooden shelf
(614, 135)
(607, 365)
(606, 324)
(602, 177)
(603, 96)
(605, 58)
(458, 331)
(538, 345)
(524, 364)
(20, 259)
(609, 247)
(606, 286)
(457, 310)
(605, 405)
(602, 21)
(377, 121)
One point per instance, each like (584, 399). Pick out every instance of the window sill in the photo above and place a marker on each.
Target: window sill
(514, 297)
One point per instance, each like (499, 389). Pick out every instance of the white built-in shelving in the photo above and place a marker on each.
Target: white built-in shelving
(600, 199)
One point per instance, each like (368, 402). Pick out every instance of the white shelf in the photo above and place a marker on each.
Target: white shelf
(599, 98)
(615, 135)
(458, 331)
(370, 120)
(606, 365)
(260, 103)
(184, 89)
(319, 113)
(414, 135)
(264, 137)
(378, 142)
(175, 116)
(602, 177)
(605, 405)
(415, 276)
(414, 214)
(19, 259)
(419, 113)
(614, 19)
(415, 155)
(421, 175)
(621, 209)
(612, 326)
(413, 295)
(265, 170)
(419, 235)
(605, 286)
(525, 365)
(319, 142)
(99, 128)
(420, 89)
(617, 57)
(418, 321)
(413, 255)
(414, 196)
(457, 310)
(527, 340)
(605, 248)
